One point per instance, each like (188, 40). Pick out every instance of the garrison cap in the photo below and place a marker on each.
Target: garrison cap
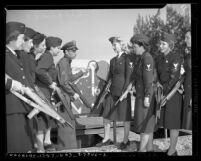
(69, 45)
(53, 41)
(38, 38)
(114, 39)
(12, 27)
(169, 38)
(140, 38)
(29, 32)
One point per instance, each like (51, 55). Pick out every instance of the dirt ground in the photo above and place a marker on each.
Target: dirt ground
(184, 145)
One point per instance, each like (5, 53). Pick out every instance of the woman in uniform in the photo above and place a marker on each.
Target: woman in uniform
(187, 108)
(168, 68)
(143, 76)
(46, 77)
(119, 74)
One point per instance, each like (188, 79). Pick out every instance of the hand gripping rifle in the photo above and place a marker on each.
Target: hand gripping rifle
(38, 104)
(125, 93)
(104, 93)
(170, 95)
(82, 98)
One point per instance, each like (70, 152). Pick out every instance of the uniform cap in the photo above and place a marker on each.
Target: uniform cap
(38, 38)
(12, 27)
(69, 45)
(169, 38)
(53, 41)
(140, 38)
(114, 39)
(29, 32)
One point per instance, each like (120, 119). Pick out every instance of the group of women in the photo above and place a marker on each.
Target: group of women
(146, 74)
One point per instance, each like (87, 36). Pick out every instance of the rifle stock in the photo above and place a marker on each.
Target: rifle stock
(104, 93)
(124, 94)
(82, 98)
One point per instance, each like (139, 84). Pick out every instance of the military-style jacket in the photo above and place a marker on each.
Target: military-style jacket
(46, 73)
(120, 74)
(65, 75)
(14, 69)
(168, 69)
(187, 80)
(29, 64)
(144, 76)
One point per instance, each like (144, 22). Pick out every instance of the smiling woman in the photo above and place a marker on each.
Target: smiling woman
(90, 27)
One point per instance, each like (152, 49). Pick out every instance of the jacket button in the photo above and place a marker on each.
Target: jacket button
(23, 77)
(21, 68)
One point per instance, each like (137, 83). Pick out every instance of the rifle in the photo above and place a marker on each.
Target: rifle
(105, 92)
(173, 91)
(38, 104)
(65, 102)
(125, 93)
(169, 96)
(82, 98)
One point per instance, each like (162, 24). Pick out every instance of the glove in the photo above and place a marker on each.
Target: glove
(146, 102)
(17, 86)
(182, 71)
(53, 86)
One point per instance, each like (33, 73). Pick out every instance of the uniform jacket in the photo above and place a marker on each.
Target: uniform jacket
(65, 75)
(29, 63)
(120, 73)
(144, 76)
(14, 69)
(168, 68)
(46, 73)
(187, 80)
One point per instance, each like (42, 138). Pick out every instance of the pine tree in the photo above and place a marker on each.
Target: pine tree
(153, 26)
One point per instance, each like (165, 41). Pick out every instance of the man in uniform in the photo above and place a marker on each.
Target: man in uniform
(66, 135)
(46, 76)
(18, 138)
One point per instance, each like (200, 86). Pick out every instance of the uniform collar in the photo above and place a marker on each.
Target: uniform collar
(12, 51)
(68, 59)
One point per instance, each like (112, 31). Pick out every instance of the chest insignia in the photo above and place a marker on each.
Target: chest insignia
(131, 65)
(175, 66)
(148, 67)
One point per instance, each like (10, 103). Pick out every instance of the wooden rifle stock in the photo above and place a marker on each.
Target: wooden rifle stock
(105, 92)
(124, 94)
(82, 98)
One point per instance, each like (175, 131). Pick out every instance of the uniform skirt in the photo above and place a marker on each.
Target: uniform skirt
(120, 112)
(144, 117)
(66, 134)
(19, 136)
(171, 113)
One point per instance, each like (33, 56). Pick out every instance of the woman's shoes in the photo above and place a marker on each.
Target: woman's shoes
(123, 145)
(108, 142)
(49, 147)
(173, 154)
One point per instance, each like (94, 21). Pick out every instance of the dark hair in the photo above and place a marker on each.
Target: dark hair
(146, 46)
(12, 36)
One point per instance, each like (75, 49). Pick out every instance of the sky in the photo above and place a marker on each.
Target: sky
(91, 28)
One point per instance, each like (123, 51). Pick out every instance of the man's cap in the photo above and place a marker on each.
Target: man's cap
(53, 41)
(29, 32)
(38, 38)
(140, 38)
(12, 27)
(70, 45)
(169, 38)
(114, 39)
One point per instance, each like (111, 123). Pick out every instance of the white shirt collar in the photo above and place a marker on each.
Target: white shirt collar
(14, 53)
(119, 55)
